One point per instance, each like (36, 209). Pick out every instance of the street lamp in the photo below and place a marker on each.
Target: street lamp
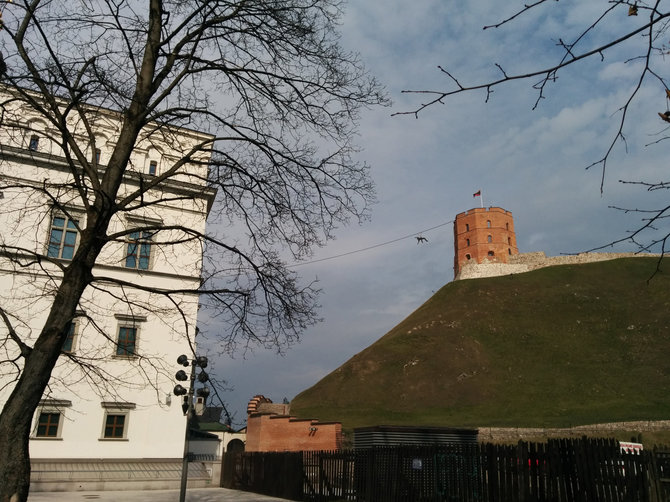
(187, 405)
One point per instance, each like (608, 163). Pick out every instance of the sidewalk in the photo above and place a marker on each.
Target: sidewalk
(192, 495)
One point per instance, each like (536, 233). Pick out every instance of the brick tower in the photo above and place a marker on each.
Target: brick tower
(483, 235)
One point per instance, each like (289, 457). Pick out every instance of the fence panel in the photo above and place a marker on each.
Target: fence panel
(589, 470)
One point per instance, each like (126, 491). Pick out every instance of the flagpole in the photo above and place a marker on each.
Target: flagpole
(481, 200)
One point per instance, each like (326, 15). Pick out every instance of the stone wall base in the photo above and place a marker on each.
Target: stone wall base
(514, 434)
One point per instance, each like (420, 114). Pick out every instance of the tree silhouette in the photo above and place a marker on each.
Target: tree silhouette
(278, 99)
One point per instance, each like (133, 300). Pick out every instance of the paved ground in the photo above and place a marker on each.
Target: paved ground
(192, 495)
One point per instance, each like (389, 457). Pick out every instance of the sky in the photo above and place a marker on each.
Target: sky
(532, 162)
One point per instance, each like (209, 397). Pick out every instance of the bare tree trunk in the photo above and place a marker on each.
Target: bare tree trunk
(14, 460)
(17, 414)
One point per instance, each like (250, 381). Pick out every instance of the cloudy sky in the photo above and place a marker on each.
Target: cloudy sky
(529, 161)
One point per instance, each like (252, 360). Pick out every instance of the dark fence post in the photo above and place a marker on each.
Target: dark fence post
(228, 461)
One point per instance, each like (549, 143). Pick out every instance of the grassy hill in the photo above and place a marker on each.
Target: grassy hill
(557, 347)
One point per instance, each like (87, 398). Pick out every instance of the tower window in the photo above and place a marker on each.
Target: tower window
(467, 227)
(509, 251)
(489, 239)
(491, 253)
(488, 223)
(507, 226)
(509, 241)
(467, 257)
(467, 242)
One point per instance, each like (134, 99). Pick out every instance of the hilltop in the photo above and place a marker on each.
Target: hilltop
(556, 347)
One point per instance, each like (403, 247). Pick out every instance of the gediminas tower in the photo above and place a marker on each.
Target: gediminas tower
(483, 235)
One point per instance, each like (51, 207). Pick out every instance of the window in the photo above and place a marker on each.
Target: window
(115, 426)
(467, 242)
(509, 241)
(49, 421)
(115, 423)
(126, 344)
(488, 223)
(509, 251)
(506, 226)
(68, 346)
(47, 425)
(62, 237)
(138, 251)
(128, 334)
(34, 143)
(467, 227)
(489, 239)
(491, 253)
(98, 153)
(467, 256)
(153, 167)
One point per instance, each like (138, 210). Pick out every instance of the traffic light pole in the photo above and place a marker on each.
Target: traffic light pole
(187, 434)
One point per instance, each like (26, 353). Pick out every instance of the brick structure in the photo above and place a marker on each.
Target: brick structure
(483, 235)
(271, 428)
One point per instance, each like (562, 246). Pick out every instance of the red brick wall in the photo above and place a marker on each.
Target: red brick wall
(283, 433)
(482, 234)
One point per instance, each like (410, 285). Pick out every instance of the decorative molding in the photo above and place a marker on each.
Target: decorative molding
(114, 405)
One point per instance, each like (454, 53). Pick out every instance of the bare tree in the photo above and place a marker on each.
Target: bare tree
(266, 79)
(648, 24)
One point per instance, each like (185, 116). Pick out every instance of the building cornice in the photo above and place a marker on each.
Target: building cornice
(59, 163)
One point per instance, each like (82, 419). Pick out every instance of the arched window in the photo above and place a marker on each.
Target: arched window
(488, 223)
(509, 241)
(467, 227)
(467, 256)
(507, 226)
(489, 239)
(509, 251)
(491, 253)
(467, 242)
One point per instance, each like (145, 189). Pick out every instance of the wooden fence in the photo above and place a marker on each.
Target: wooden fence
(584, 470)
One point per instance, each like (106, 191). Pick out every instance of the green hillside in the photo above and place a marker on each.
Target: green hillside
(561, 346)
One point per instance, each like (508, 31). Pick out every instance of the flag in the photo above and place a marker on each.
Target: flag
(478, 193)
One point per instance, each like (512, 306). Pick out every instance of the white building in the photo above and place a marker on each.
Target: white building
(110, 395)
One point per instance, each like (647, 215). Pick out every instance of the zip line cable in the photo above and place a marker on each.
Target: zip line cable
(341, 255)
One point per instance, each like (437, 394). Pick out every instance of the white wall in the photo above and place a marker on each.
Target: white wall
(155, 423)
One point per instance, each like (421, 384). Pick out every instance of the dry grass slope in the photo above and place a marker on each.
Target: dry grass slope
(557, 347)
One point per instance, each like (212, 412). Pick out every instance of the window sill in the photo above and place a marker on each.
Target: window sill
(113, 439)
(127, 357)
(44, 438)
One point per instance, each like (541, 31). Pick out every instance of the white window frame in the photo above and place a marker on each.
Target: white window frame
(128, 322)
(139, 243)
(70, 217)
(116, 409)
(51, 406)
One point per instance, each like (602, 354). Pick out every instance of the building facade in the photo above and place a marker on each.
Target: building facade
(483, 235)
(110, 395)
(270, 427)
